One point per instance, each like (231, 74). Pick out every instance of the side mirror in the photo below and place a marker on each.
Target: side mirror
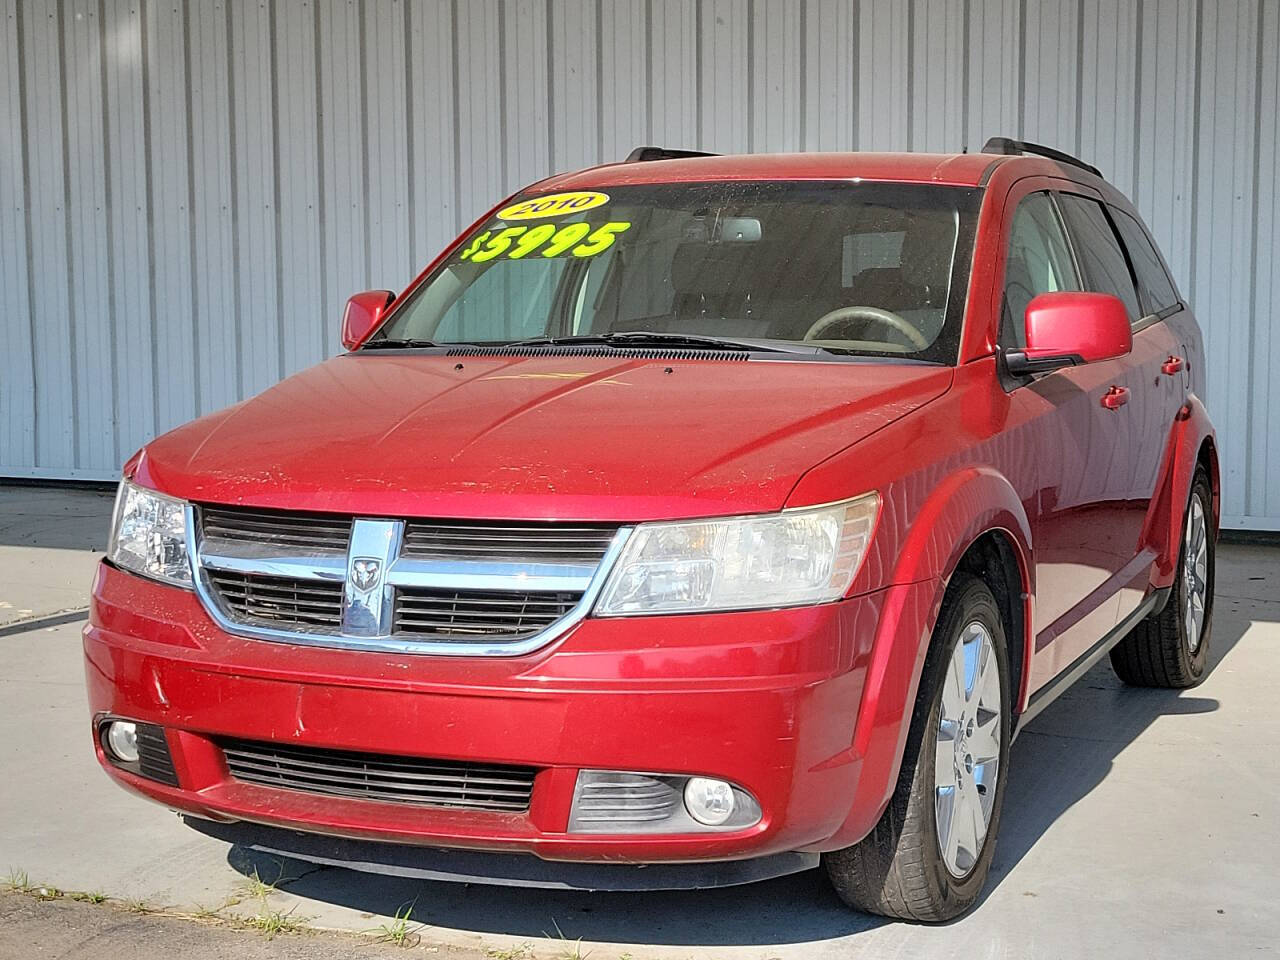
(364, 312)
(1066, 329)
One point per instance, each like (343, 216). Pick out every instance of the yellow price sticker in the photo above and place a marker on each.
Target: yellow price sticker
(546, 239)
(553, 205)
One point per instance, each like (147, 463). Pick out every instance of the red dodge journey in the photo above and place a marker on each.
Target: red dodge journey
(689, 521)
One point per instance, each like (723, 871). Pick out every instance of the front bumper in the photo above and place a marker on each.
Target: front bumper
(768, 700)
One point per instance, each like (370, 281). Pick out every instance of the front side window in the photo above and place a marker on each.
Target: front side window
(852, 268)
(1101, 257)
(1039, 262)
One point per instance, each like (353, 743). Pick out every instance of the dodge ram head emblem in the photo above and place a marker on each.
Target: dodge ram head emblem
(365, 572)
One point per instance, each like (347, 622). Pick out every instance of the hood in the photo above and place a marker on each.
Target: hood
(563, 437)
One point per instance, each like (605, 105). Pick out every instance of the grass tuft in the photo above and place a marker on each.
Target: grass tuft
(18, 881)
(91, 896)
(256, 888)
(272, 923)
(398, 931)
(522, 952)
(569, 949)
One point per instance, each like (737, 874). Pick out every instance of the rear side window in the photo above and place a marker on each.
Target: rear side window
(1154, 286)
(1039, 262)
(1101, 257)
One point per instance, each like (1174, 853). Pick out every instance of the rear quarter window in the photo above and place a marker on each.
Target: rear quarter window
(1098, 250)
(1155, 289)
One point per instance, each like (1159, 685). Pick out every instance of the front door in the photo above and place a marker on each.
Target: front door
(1075, 442)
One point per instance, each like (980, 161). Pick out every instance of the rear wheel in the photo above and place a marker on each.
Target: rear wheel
(929, 855)
(1171, 648)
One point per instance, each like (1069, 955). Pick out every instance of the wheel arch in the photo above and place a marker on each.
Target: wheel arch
(995, 559)
(973, 520)
(1207, 457)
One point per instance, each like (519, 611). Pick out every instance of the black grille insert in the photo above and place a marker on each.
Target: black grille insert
(278, 601)
(370, 776)
(475, 613)
(526, 543)
(309, 532)
(154, 760)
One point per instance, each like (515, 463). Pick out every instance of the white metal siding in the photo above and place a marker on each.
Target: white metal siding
(189, 190)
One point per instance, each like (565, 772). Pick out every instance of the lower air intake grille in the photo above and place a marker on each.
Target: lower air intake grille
(279, 601)
(609, 802)
(476, 613)
(370, 776)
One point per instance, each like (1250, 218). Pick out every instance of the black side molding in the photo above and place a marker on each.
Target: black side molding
(1153, 603)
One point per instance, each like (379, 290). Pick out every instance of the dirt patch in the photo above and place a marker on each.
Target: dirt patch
(68, 930)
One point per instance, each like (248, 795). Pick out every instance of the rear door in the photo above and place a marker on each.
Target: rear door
(1164, 362)
(1143, 419)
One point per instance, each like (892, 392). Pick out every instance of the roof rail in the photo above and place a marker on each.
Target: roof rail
(645, 154)
(1011, 147)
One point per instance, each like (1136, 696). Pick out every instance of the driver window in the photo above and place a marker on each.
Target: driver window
(1039, 262)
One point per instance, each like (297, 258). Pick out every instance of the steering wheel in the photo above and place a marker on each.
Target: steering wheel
(887, 317)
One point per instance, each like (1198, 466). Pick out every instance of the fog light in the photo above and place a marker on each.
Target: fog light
(121, 740)
(708, 801)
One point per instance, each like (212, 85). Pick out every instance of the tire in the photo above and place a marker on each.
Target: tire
(899, 870)
(1168, 649)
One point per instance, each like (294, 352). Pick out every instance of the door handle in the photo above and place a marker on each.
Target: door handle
(1115, 398)
(1172, 365)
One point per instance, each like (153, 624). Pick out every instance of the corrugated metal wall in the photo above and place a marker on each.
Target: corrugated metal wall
(189, 190)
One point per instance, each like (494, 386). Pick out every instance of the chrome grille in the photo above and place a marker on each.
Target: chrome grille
(279, 601)
(509, 542)
(479, 613)
(447, 587)
(308, 532)
(368, 776)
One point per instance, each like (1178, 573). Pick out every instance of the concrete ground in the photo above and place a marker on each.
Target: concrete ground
(1138, 823)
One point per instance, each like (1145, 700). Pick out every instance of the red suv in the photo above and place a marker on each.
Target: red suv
(691, 520)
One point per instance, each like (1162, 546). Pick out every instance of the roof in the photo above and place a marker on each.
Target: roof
(959, 169)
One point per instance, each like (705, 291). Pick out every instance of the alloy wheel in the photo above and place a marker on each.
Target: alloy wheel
(1195, 565)
(967, 762)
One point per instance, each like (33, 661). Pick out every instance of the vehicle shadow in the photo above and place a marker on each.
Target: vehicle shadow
(1066, 752)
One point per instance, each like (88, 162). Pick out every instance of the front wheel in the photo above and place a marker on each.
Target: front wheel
(929, 855)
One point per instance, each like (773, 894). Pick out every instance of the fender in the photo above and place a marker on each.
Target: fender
(1162, 531)
(971, 502)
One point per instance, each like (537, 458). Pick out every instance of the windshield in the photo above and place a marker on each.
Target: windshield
(849, 267)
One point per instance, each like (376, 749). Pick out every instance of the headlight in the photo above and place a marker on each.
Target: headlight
(149, 535)
(803, 556)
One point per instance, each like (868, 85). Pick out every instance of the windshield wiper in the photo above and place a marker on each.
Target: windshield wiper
(639, 339)
(407, 344)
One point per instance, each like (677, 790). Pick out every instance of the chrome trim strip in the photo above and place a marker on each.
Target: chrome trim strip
(261, 550)
(550, 578)
(299, 568)
(409, 573)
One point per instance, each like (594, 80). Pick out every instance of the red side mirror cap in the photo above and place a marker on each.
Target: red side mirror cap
(364, 312)
(1065, 329)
